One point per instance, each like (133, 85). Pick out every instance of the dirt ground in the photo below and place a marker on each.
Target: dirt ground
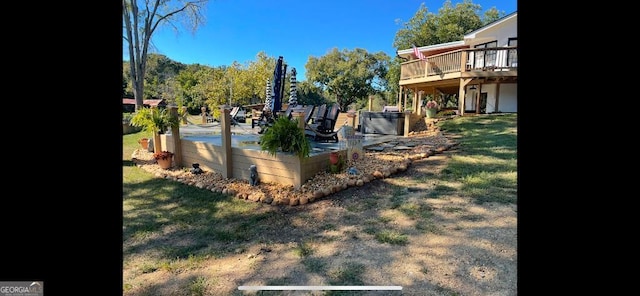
(468, 249)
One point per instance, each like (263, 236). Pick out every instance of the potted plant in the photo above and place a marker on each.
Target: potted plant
(127, 128)
(432, 108)
(144, 143)
(156, 121)
(163, 158)
(285, 136)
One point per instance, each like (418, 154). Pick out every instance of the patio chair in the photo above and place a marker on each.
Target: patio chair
(319, 113)
(323, 130)
(233, 114)
(308, 111)
(287, 113)
(209, 117)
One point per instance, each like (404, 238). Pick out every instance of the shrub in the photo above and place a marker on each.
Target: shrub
(162, 155)
(286, 136)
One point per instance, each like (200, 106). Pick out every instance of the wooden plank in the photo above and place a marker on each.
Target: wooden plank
(282, 169)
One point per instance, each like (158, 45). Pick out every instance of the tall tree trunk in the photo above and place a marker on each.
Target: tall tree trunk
(140, 25)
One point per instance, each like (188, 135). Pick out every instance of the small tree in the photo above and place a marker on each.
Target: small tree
(139, 26)
(155, 121)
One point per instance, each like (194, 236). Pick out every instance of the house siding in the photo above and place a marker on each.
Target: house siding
(508, 98)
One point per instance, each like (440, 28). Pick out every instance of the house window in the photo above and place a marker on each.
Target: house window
(512, 60)
(486, 58)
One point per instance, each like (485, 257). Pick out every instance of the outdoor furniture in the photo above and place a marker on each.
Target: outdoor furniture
(209, 117)
(287, 112)
(233, 113)
(307, 109)
(390, 109)
(256, 113)
(323, 129)
(319, 115)
(255, 117)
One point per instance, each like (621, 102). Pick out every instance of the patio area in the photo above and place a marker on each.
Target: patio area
(245, 137)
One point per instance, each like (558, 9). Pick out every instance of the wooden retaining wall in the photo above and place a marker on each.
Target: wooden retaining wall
(207, 155)
(233, 162)
(285, 169)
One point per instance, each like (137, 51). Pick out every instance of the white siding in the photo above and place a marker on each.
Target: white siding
(508, 98)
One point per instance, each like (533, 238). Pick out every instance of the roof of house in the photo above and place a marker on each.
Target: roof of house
(150, 102)
(434, 49)
(488, 26)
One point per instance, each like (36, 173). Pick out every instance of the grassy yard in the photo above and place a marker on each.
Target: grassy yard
(182, 240)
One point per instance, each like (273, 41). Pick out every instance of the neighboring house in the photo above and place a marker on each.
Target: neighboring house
(129, 104)
(482, 69)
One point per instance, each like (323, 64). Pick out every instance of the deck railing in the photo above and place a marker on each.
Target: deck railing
(462, 60)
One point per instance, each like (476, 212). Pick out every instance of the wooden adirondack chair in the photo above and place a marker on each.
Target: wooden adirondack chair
(322, 130)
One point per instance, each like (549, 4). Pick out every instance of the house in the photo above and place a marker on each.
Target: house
(129, 104)
(482, 68)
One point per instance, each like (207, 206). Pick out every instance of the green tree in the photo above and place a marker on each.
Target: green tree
(126, 80)
(450, 24)
(348, 75)
(492, 15)
(160, 75)
(188, 84)
(393, 80)
(238, 83)
(142, 18)
(124, 86)
(261, 70)
(211, 90)
(309, 94)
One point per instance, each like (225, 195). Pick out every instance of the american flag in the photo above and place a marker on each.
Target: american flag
(418, 54)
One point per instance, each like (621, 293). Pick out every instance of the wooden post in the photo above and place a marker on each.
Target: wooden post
(497, 105)
(405, 103)
(204, 114)
(419, 104)
(157, 145)
(351, 114)
(414, 103)
(478, 99)
(407, 123)
(175, 132)
(299, 116)
(462, 95)
(370, 103)
(225, 123)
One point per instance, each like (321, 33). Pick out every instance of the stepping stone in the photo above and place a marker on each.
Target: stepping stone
(401, 147)
(376, 148)
(387, 145)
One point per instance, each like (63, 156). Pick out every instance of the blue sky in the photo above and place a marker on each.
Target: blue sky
(236, 30)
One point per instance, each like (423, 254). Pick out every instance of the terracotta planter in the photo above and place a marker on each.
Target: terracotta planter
(144, 142)
(165, 163)
(333, 157)
(431, 112)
